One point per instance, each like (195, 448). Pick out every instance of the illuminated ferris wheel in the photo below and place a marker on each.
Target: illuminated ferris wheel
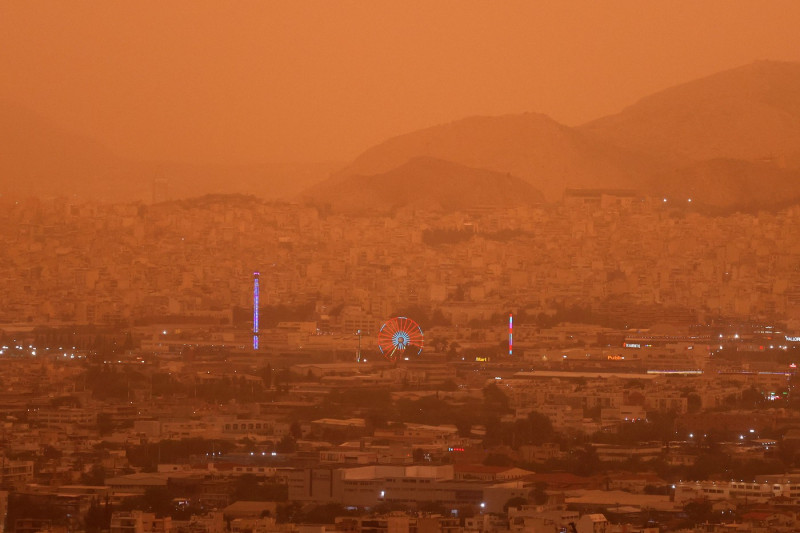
(400, 336)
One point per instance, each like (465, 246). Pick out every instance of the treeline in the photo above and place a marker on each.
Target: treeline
(444, 236)
(110, 382)
(270, 315)
(440, 236)
(148, 455)
(99, 339)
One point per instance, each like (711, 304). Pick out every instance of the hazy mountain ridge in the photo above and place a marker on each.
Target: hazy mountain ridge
(37, 158)
(424, 182)
(751, 113)
(721, 140)
(532, 146)
(726, 140)
(733, 184)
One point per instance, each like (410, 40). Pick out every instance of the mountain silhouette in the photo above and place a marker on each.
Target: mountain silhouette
(750, 113)
(548, 155)
(727, 140)
(732, 184)
(38, 158)
(423, 182)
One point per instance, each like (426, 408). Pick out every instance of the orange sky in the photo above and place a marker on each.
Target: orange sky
(312, 80)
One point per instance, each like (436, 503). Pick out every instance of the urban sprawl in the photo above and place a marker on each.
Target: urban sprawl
(649, 387)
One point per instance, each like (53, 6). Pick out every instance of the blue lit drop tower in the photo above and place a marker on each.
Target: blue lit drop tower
(511, 334)
(255, 310)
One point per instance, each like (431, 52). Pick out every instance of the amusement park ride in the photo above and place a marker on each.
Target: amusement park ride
(400, 337)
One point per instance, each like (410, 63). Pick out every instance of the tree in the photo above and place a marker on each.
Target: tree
(387, 507)
(464, 426)
(375, 418)
(494, 431)
(788, 452)
(466, 511)
(128, 343)
(275, 492)
(448, 385)
(29, 506)
(452, 352)
(97, 518)
(248, 488)
(588, 462)
(516, 501)
(498, 459)
(698, 511)
(439, 344)
(326, 513)
(494, 399)
(693, 402)
(96, 476)
(105, 423)
(288, 513)
(539, 493)
(281, 380)
(752, 398)
(157, 500)
(266, 376)
(287, 444)
(432, 508)
(295, 430)
(541, 427)
(50, 452)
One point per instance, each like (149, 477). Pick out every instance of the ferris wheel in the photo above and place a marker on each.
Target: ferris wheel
(400, 335)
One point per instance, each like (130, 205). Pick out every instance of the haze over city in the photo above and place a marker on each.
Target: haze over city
(266, 83)
(399, 267)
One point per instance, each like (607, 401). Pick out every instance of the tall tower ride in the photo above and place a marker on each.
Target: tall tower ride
(510, 334)
(255, 310)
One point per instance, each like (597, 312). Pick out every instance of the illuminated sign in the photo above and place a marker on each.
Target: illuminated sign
(482, 359)
(677, 372)
(616, 357)
(792, 339)
(632, 345)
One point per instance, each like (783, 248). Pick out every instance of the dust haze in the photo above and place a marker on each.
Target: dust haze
(457, 267)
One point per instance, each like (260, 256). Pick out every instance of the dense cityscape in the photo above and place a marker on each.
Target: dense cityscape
(614, 254)
(649, 385)
(399, 267)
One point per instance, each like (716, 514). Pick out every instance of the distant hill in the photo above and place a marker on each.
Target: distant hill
(423, 182)
(730, 140)
(733, 184)
(548, 155)
(38, 158)
(750, 113)
(269, 180)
